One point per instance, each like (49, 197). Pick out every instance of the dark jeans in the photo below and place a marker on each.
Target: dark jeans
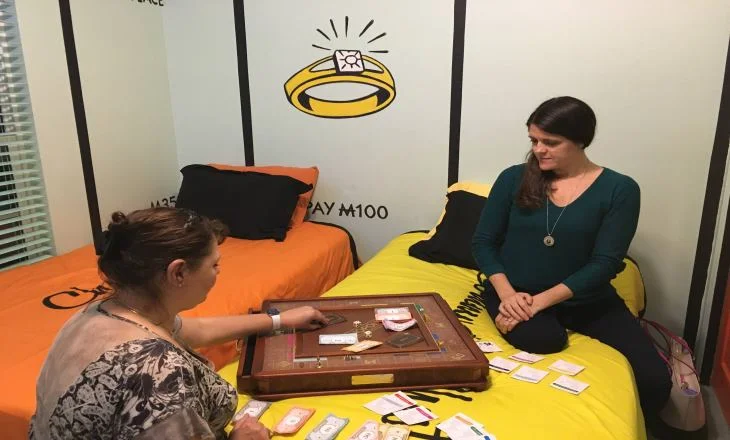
(610, 322)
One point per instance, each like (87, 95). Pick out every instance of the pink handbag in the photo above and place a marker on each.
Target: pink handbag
(685, 410)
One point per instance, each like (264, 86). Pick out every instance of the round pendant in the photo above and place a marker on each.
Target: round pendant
(548, 240)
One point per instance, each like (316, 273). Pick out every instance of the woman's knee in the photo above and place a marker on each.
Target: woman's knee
(539, 341)
(655, 386)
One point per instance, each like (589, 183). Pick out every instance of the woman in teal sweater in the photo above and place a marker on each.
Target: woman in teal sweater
(553, 233)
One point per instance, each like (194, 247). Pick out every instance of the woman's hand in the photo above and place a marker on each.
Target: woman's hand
(248, 428)
(517, 306)
(505, 324)
(303, 317)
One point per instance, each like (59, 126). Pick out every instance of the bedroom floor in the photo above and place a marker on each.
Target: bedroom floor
(717, 426)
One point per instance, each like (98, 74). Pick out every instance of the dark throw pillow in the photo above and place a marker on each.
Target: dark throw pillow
(253, 205)
(451, 244)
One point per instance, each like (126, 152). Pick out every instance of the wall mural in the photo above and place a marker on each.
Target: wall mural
(347, 83)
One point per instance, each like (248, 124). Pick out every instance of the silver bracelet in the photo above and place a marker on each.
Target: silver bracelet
(276, 319)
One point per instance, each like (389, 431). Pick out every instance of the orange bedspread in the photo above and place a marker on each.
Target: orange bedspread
(38, 299)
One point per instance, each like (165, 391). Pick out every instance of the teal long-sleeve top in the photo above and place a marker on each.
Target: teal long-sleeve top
(591, 237)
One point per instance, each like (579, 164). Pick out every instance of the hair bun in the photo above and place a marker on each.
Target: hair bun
(119, 220)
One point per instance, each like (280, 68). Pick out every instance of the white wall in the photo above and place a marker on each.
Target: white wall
(395, 158)
(50, 93)
(201, 52)
(653, 74)
(123, 69)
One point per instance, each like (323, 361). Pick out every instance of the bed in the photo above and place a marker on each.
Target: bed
(509, 409)
(39, 298)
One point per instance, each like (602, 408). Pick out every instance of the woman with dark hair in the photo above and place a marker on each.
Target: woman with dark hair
(553, 233)
(123, 368)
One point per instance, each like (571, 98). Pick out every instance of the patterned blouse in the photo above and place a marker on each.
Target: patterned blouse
(107, 377)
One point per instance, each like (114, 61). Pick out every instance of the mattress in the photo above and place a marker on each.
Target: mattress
(509, 409)
(39, 298)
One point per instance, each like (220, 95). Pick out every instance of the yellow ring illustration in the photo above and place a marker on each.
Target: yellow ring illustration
(297, 86)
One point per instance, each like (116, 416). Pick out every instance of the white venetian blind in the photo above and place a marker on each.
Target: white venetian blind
(25, 232)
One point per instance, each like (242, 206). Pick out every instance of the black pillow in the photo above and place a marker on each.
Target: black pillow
(253, 205)
(451, 244)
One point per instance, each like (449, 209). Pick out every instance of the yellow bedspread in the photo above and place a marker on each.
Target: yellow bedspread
(509, 409)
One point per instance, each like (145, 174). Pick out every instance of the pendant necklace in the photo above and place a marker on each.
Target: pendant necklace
(549, 240)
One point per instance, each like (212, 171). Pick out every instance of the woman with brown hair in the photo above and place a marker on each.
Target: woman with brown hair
(553, 233)
(125, 368)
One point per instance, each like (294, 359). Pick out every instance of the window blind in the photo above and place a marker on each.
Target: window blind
(25, 230)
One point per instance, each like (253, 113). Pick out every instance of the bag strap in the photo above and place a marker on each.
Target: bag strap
(667, 335)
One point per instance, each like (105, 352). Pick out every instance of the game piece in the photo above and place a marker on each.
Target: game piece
(368, 431)
(392, 313)
(570, 385)
(357, 323)
(334, 318)
(341, 339)
(390, 403)
(362, 345)
(368, 334)
(396, 433)
(529, 358)
(564, 367)
(502, 365)
(488, 347)
(529, 374)
(398, 326)
(414, 415)
(328, 428)
(401, 340)
(293, 420)
(253, 408)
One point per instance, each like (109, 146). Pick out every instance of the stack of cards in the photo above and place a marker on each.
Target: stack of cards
(253, 408)
(328, 428)
(393, 314)
(334, 318)
(526, 357)
(416, 414)
(462, 427)
(398, 326)
(368, 431)
(402, 340)
(529, 374)
(502, 365)
(293, 420)
(390, 403)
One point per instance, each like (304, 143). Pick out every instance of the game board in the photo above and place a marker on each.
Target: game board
(293, 363)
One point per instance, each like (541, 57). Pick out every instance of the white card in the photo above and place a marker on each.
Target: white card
(502, 365)
(529, 374)
(570, 385)
(488, 347)
(414, 415)
(461, 427)
(564, 367)
(529, 358)
(390, 403)
(341, 339)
